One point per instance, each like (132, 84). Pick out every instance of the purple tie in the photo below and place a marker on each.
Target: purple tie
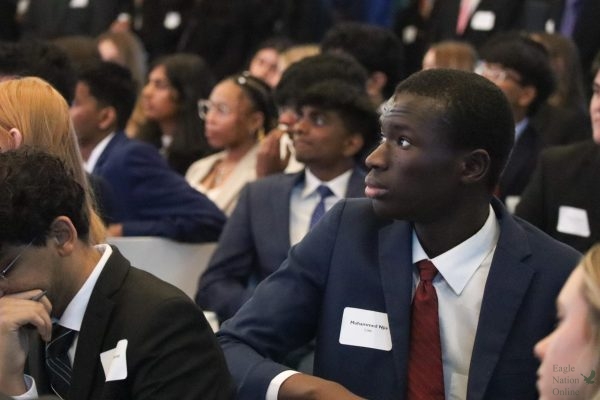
(570, 14)
(319, 211)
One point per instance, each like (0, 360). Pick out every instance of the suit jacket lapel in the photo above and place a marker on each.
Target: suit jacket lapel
(116, 140)
(395, 260)
(280, 206)
(507, 284)
(87, 366)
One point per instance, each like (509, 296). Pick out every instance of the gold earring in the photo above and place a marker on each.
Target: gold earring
(260, 134)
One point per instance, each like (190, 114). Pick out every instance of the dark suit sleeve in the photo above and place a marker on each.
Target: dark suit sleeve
(532, 204)
(159, 201)
(282, 314)
(223, 288)
(180, 356)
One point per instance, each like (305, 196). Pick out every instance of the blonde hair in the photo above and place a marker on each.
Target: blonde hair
(41, 114)
(590, 264)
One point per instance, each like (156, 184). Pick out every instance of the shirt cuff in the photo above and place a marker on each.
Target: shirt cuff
(273, 389)
(31, 392)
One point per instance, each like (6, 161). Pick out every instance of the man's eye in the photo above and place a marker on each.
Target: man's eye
(403, 142)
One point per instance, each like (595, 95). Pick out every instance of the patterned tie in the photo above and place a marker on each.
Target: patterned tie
(425, 371)
(57, 359)
(319, 211)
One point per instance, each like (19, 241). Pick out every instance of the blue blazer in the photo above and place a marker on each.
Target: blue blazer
(355, 259)
(255, 241)
(153, 200)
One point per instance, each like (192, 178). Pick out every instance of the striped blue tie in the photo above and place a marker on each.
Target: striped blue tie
(57, 359)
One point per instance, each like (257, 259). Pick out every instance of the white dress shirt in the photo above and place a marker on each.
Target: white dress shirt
(463, 272)
(304, 199)
(90, 164)
(73, 315)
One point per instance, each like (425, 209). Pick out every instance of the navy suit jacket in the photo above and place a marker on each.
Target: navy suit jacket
(171, 351)
(255, 241)
(521, 163)
(355, 259)
(153, 200)
(565, 176)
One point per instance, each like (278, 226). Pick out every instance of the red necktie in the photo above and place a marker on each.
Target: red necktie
(425, 371)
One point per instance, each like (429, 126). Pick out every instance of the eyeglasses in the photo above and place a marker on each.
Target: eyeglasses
(204, 106)
(496, 73)
(12, 264)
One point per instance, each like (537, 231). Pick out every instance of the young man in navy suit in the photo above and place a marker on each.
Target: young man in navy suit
(152, 200)
(337, 125)
(446, 136)
(124, 333)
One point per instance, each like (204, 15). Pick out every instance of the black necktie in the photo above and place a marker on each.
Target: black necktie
(319, 211)
(57, 359)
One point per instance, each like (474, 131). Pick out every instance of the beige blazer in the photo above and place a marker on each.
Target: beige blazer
(226, 195)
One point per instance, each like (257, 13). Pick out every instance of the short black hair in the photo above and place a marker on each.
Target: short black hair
(310, 70)
(354, 106)
(526, 56)
(375, 47)
(260, 95)
(111, 85)
(41, 59)
(474, 112)
(36, 189)
(596, 65)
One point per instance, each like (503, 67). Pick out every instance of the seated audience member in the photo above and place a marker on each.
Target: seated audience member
(350, 281)
(336, 126)
(450, 54)
(276, 154)
(521, 69)
(78, 319)
(574, 345)
(127, 50)
(563, 118)
(264, 63)
(170, 104)
(563, 196)
(296, 53)
(153, 200)
(33, 113)
(237, 115)
(378, 49)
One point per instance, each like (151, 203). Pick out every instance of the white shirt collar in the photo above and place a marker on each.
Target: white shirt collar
(73, 315)
(338, 185)
(90, 164)
(520, 128)
(458, 264)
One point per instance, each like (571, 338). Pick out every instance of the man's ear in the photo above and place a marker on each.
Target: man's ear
(476, 166)
(376, 82)
(16, 138)
(353, 144)
(64, 235)
(527, 96)
(108, 118)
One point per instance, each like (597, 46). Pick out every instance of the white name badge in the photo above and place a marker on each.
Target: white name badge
(114, 362)
(573, 221)
(365, 328)
(483, 20)
(78, 3)
(550, 26)
(172, 20)
(409, 34)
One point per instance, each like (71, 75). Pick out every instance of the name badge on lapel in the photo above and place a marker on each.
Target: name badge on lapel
(573, 221)
(114, 362)
(483, 21)
(365, 328)
(78, 3)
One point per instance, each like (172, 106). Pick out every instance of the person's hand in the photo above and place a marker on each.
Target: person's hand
(269, 159)
(18, 314)
(115, 230)
(308, 387)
